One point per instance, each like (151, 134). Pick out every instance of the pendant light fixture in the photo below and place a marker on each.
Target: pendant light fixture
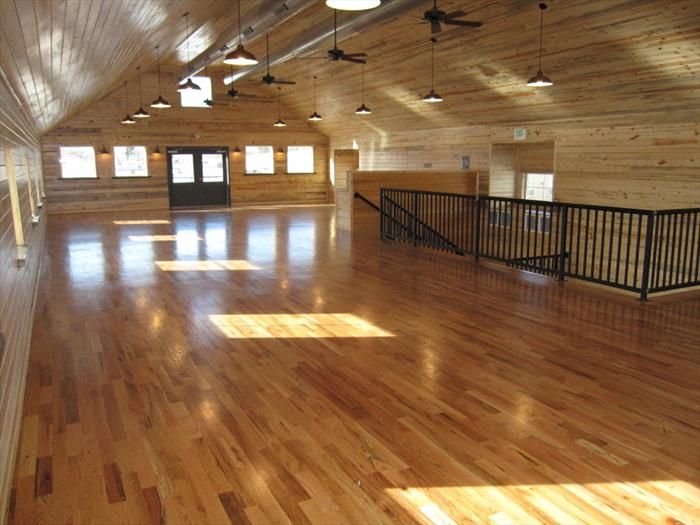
(363, 110)
(432, 97)
(540, 79)
(240, 56)
(127, 119)
(315, 116)
(160, 102)
(141, 113)
(188, 85)
(280, 123)
(353, 5)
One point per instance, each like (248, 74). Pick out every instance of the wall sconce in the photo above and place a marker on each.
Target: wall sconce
(104, 150)
(156, 150)
(237, 151)
(280, 152)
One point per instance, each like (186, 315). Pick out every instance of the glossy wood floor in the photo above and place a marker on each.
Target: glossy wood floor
(166, 390)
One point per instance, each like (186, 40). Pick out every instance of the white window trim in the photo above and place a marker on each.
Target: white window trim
(94, 156)
(114, 164)
(245, 160)
(313, 155)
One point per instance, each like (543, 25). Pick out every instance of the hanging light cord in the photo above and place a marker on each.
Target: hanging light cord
(240, 33)
(543, 6)
(279, 103)
(315, 94)
(363, 84)
(140, 97)
(187, 32)
(126, 92)
(158, 68)
(432, 65)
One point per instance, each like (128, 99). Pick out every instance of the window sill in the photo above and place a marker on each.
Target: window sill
(305, 173)
(134, 177)
(259, 174)
(78, 178)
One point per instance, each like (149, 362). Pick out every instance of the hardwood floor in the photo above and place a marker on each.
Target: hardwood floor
(162, 390)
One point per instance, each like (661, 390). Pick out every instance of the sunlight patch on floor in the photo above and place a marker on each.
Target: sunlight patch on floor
(205, 266)
(273, 326)
(164, 238)
(548, 503)
(143, 221)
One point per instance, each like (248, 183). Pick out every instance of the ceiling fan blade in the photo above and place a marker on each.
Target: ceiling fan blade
(465, 23)
(289, 82)
(455, 14)
(435, 27)
(354, 60)
(355, 55)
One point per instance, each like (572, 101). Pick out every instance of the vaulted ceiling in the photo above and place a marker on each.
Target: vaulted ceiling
(616, 57)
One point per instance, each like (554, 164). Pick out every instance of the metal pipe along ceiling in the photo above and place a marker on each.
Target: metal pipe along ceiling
(320, 37)
(269, 15)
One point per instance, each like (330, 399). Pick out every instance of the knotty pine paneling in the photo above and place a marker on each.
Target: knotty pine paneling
(654, 166)
(229, 123)
(510, 163)
(17, 284)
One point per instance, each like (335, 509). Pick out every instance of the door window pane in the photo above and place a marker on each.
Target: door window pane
(78, 162)
(183, 168)
(130, 161)
(212, 167)
(300, 159)
(259, 160)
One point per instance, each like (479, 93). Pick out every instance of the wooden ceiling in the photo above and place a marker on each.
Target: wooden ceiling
(62, 55)
(611, 58)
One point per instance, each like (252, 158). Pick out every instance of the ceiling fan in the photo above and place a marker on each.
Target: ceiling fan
(435, 17)
(268, 78)
(336, 54)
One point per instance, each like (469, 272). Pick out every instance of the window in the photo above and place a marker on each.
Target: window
(259, 160)
(195, 98)
(212, 167)
(539, 186)
(130, 161)
(300, 159)
(183, 168)
(78, 162)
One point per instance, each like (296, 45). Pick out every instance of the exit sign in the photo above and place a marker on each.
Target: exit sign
(520, 134)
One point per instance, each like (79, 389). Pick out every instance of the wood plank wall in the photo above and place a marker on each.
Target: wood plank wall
(229, 123)
(368, 183)
(17, 284)
(596, 161)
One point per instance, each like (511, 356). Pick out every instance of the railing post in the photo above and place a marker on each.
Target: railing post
(415, 218)
(382, 222)
(477, 227)
(646, 263)
(564, 219)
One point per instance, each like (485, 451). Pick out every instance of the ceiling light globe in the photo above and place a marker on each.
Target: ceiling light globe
(353, 5)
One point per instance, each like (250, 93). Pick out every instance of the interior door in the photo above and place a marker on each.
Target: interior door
(198, 177)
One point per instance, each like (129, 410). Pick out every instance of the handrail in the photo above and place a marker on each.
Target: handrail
(425, 226)
(634, 249)
(364, 199)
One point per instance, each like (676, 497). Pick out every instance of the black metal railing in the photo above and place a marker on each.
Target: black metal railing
(638, 250)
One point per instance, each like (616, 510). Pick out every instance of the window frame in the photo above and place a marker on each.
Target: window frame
(245, 160)
(94, 158)
(114, 164)
(525, 185)
(313, 159)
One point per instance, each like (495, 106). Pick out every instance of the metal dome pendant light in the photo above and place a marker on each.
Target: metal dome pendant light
(240, 56)
(141, 113)
(315, 117)
(363, 110)
(160, 102)
(127, 119)
(540, 79)
(432, 97)
(188, 85)
(280, 123)
(353, 5)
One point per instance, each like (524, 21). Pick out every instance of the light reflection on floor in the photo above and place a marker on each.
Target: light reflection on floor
(286, 326)
(204, 266)
(141, 222)
(187, 237)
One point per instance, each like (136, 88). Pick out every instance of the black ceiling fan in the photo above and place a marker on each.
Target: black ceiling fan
(337, 54)
(268, 78)
(435, 17)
